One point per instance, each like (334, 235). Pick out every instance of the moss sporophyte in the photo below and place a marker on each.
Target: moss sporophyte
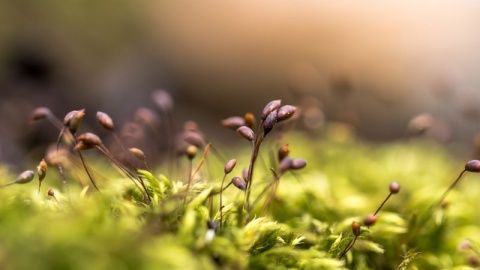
(286, 200)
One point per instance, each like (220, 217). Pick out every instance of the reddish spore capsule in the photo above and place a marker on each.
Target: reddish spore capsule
(356, 228)
(370, 220)
(473, 166)
(394, 187)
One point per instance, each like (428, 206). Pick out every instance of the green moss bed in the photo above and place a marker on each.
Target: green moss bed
(309, 218)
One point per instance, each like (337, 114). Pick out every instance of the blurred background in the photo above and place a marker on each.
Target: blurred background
(374, 64)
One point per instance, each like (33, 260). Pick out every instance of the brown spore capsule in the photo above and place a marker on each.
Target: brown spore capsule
(73, 120)
(230, 165)
(89, 139)
(39, 113)
(270, 107)
(50, 192)
(356, 228)
(420, 123)
(245, 174)
(246, 133)
(298, 163)
(105, 121)
(250, 120)
(269, 122)
(286, 112)
(473, 166)
(283, 152)
(25, 177)
(394, 187)
(370, 220)
(193, 137)
(191, 151)
(285, 164)
(233, 122)
(80, 146)
(139, 154)
(163, 100)
(239, 183)
(42, 170)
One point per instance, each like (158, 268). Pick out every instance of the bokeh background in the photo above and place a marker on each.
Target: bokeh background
(374, 64)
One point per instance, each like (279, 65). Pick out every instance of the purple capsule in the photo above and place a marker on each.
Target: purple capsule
(286, 112)
(81, 146)
(25, 177)
(473, 166)
(137, 153)
(163, 100)
(233, 122)
(370, 220)
(394, 187)
(285, 164)
(230, 165)
(298, 163)
(270, 107)
(73, 120)
(246, 132)
(193, 137)
(105, 121)
(245, 174)
(269, 122)
(239, 183)
(89, 138)
(40, 113)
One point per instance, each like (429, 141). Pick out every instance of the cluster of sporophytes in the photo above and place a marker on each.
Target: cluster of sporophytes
(108, 206)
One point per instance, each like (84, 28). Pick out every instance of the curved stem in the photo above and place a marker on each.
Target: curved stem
(87, 170)
(189, 180)
(381, 205)
(7, 184)
(348, 247)
(271, 184)
(256, 148)
(130, 175)
(450, 188)
(221, 201)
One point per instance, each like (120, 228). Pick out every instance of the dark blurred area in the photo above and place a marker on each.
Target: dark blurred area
(374, 64)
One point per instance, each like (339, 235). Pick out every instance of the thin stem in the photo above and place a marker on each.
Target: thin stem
(450, 188)
(59, 204)
(204, 157)
(256, 147)
(55, 121)
(190, 161)
(74, 141)
(270, 197)
(348, 247)
(7, 184)
(87, 170)
(221, 201)
(171, 144)
(381, 205)
(124, 150)
(64, 179)
(60, 135)
(190, 165)
(129, 174)
(423, 219)
(218, 192)
(275, 180)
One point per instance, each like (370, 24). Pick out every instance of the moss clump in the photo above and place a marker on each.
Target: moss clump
(310, 219)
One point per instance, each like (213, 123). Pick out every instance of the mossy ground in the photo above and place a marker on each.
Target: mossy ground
(307, 226)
